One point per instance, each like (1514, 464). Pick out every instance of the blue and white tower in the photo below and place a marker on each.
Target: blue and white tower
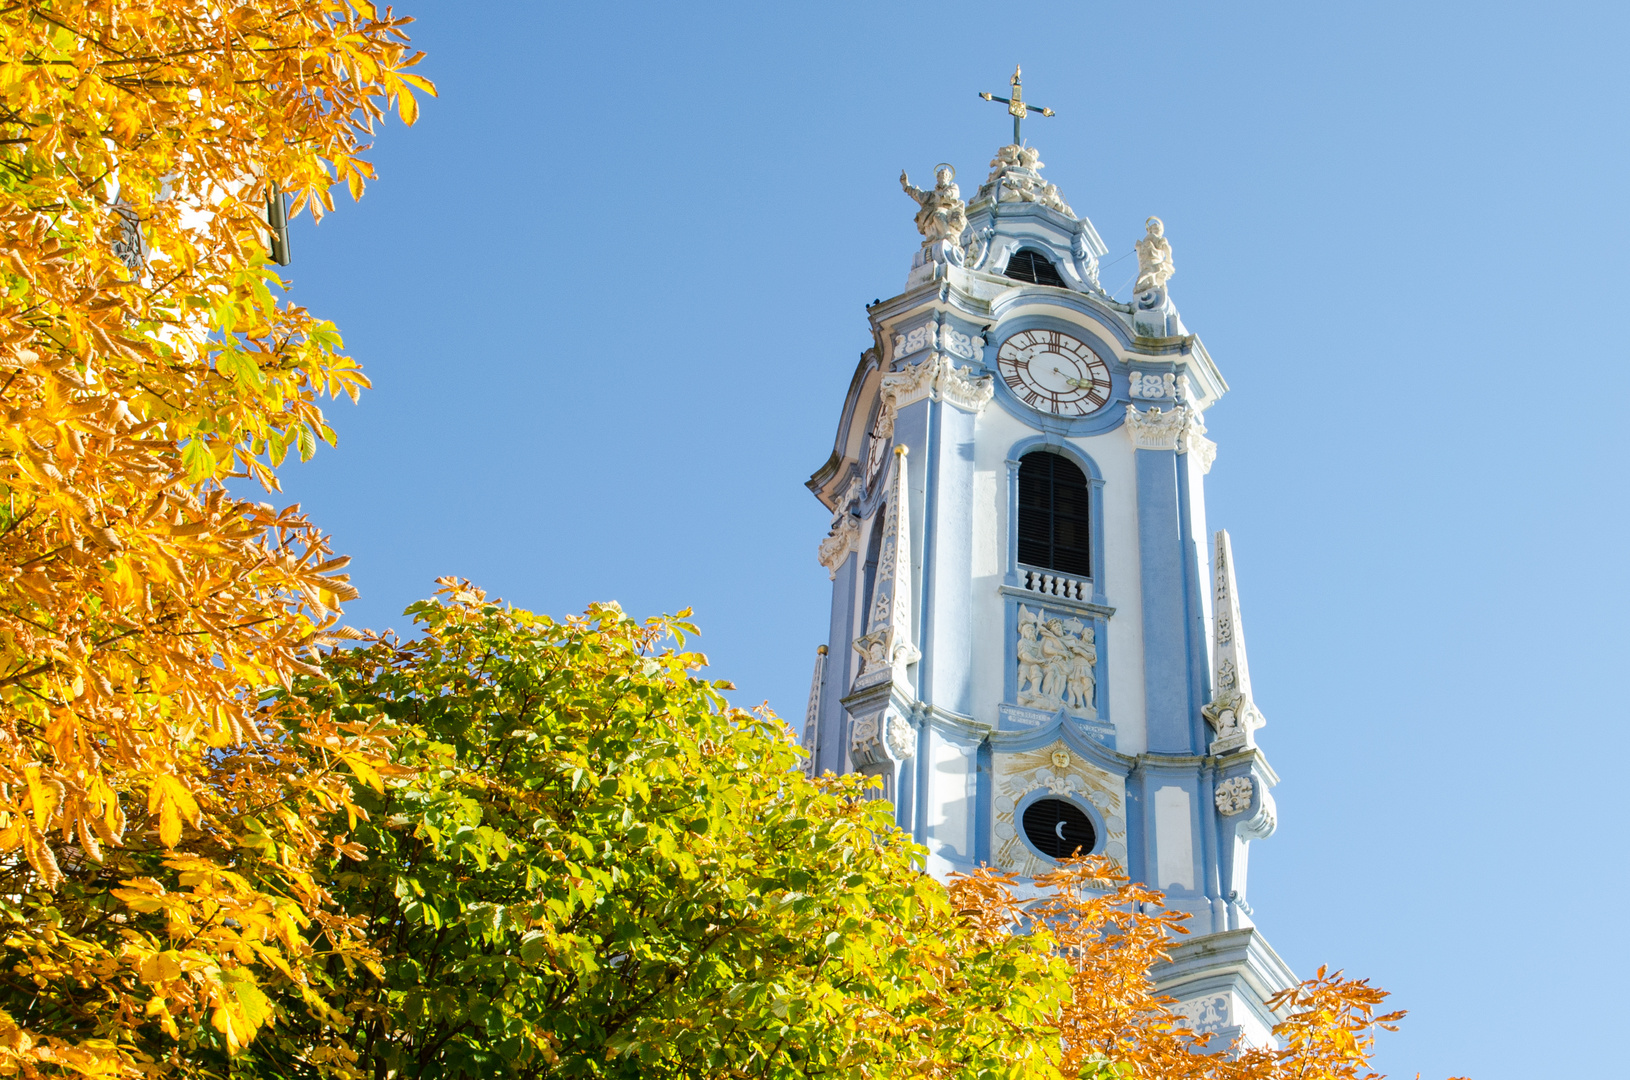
(1035, 643)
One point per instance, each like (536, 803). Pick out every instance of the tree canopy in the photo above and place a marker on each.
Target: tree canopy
(156, 842)
(594, 866)
(590, 865)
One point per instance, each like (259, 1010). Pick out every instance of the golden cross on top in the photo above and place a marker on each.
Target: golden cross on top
(1016, 106)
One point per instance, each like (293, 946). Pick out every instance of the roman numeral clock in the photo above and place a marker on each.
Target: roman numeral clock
(1035, 644)
(1054, 372)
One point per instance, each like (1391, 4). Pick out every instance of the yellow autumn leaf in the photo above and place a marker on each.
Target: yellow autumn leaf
(160, 967)
(363, 769)
(170, 801)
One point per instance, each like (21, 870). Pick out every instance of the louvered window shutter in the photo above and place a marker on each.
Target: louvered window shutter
(1034, 267)
(1054, 532)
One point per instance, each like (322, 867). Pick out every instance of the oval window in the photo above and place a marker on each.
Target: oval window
(1058, 828)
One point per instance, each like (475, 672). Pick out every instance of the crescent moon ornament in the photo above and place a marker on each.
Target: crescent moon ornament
(1058, 830)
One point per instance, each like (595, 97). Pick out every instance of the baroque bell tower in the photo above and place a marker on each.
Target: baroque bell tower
(1035, 643)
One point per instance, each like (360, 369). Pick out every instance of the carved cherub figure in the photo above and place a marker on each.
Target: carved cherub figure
(1050, 197)
(941, 214)
(1006, 157)
(1154, 257)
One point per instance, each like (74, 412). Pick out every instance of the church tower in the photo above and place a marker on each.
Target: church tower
(1035, 643)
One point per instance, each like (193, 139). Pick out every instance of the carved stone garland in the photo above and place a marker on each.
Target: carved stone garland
(1234, 796)
(938, 379)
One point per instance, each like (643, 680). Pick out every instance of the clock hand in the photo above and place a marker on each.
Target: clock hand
(1075, 384)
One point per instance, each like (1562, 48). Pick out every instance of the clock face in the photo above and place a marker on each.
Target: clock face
(1054, 372)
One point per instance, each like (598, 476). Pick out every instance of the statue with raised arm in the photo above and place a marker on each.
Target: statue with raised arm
(1154, 258)
(941, 214)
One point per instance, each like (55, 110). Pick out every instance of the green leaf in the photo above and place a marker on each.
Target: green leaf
(197, 460)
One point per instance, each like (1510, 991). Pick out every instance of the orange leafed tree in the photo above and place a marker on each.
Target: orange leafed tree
(1111, 934)
(155, 821)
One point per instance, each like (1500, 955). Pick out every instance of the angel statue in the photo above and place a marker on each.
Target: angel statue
(1154, 258)
(942, 215)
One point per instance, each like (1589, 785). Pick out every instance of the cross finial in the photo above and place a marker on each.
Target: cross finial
(1016, 106)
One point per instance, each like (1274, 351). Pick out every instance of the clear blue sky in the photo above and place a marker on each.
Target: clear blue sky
(611, 290)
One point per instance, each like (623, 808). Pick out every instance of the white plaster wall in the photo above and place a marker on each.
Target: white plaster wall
(994, 434)
(987, 542)
(1123, 586)
(1174, 839)
(950, 798)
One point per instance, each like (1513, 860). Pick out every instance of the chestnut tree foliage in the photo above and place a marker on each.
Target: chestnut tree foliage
(594, 866)
(156, 824)
(590, 865)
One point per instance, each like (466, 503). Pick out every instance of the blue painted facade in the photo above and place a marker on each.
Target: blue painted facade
(926, 682)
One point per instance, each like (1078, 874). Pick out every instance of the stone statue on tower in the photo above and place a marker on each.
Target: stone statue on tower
(1154, 257)
(942, 215)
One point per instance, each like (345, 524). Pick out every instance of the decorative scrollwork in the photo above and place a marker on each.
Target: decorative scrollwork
(1234, 796)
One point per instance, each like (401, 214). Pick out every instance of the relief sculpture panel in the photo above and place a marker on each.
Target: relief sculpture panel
(1058, 661)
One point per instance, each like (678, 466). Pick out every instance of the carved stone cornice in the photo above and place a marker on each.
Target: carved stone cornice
(1193, 441)
(1178, 428)
(1156, 428)
(938, 379)
(960, 387)
(843, 538)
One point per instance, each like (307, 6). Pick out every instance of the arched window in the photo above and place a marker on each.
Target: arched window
(1054, 531)
(1034, 267)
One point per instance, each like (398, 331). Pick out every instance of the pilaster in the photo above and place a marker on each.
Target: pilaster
(1154, 436)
